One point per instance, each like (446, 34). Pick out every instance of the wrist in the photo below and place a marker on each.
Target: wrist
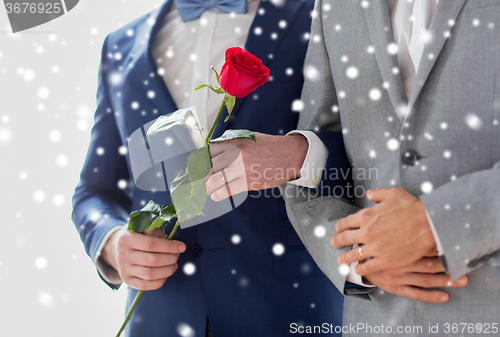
(110, 250)
(298, 147)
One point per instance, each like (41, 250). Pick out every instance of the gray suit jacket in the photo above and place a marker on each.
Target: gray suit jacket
(443, 145)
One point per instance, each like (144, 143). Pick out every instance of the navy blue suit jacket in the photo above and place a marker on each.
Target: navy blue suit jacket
(244, 289)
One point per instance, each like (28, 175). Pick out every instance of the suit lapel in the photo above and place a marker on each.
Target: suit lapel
(381, 35)
(144, 67)
(263, 45)
(446, 10)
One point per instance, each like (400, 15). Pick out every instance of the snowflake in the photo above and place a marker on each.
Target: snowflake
(41, 262)
(46, 299)
(352, 72)
(39, 196)
(58, 200)
(297, 105)
(185, 330)
(311, 73)
(319, 231)
(5, 135)
(393, 144)
(122, 184)
(392, 48)
(344, 269)
(278, 249)
(55, 136)
(43, 92)
(236, 239)
(426, 187)
(375, 94)
(189, 268)
(473, 121)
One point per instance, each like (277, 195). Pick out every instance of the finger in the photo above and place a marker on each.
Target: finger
(349, 222)
(423, 295)
(378, 195)
(353, 256)
(139, 258)
(431, 253)
(234, 187)
(429, 265)
(218, 148)
(157, 233)
(140, 284)
(215, 181)
(156, 245)
(153, 274)
(373, 265)
(346, 238)
(433, 280)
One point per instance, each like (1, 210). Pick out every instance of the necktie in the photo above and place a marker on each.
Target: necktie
(192, 9)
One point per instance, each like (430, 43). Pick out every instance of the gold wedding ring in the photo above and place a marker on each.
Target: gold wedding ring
(361, 253)
(221, 173)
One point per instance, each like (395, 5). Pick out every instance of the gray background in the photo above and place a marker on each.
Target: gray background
(48, 82)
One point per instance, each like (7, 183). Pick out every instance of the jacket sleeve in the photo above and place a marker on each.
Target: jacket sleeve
(98, 203)
(466, 215)
(308, 209)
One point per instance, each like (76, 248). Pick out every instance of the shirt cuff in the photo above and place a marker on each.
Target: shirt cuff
(314, 163)
(107, 272)
(439, 245)
(355, 278)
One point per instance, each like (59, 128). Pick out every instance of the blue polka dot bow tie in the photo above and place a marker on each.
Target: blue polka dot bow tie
(192, 9)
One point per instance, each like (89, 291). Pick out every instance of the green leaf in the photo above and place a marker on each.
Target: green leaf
(187, 204)
(216, 74)
(218, 90)
(168, 212)
(198, 166)
(201, 86)
(235, 134)
(152, 207)
(138, 221)
(230, 102)
(156, 224)
(181, 117)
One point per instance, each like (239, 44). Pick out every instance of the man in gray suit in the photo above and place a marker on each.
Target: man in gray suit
(425, 117)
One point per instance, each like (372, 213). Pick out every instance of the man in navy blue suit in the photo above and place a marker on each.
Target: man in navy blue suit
(220, 276)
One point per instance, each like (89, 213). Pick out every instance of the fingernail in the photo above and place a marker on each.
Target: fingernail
(339, 260)
(443, 298)
(336, 227)
(462, 281)
(181, 247)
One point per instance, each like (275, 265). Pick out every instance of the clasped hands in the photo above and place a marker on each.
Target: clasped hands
(397, 246)
(395, 237)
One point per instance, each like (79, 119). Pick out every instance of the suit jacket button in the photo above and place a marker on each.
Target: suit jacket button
(473, 264)
(410, 157)
(196, 251)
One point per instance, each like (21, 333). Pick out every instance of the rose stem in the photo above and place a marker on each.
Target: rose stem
(131, 310)
(216, 119)
(141, 292)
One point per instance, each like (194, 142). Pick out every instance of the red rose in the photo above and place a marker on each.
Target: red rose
(242, 73)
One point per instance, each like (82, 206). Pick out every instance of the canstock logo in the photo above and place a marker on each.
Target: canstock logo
(26, 14)
(156, 161)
